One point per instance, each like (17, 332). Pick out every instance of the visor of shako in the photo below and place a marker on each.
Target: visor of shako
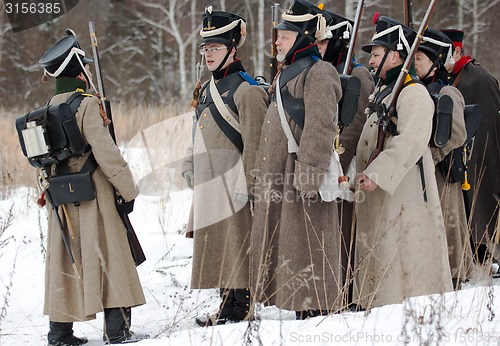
(223, 27)
(437, 46)
(456, 36)
(304, 18)
(61, 60)
(393, 35)
(337, 27)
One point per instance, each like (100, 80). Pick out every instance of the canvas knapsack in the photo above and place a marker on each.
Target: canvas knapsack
(50, 135)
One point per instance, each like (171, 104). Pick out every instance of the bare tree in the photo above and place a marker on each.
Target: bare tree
(170, 24)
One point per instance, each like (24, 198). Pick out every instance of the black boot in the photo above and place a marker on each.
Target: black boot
(61, 334)
(225, 309)
(303, 314)
(241, 307)
(117, 327)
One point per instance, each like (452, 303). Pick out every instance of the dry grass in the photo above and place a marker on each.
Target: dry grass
(129, 120)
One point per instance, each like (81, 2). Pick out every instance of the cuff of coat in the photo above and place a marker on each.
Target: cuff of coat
(307, 178)
(121, 182)
(392, 174)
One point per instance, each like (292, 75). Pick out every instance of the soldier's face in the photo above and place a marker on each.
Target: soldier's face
(214, 54)
(284, 43)
(376, 57)
(423, 65)
(322, 45)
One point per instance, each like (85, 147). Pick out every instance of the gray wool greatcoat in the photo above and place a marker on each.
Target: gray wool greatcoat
(450, 194)
(401, 248)
(295, 260)
(108, 276)
(222, 218)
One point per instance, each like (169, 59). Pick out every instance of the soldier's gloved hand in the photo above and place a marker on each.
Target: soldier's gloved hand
(125, 207)
(240, 197)
(189, 177)
(309, 195)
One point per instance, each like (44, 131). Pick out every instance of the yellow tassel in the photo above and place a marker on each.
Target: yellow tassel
(196, 95)
(465, 184)
(44, 78)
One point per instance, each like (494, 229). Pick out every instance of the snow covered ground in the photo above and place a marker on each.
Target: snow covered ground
(460, 318)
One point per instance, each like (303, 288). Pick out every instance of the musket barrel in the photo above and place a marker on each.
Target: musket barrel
(413, 50)
(352, 42)
(97, 64)
(275, 10)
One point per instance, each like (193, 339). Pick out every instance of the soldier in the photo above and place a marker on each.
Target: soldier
(295, 236)
(430, 62)
(333, 49)
(400, 238)
(108, 278)
(478, 86)
(229, 116)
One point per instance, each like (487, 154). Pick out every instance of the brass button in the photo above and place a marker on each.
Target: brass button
(201, 126)
(265, 139)
(264, 158)
(205, 115)
(196, 150)
(198, 138)
(228, 119)
(269, 121)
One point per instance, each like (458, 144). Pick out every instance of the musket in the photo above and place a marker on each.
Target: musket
(393, 97)
(408, 13)
(135, 246)
(44, 184)
(275, 11)
(354, 35)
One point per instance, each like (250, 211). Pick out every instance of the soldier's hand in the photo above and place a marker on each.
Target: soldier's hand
(189, 177)
(309, 195)
(125, 207)
(366, 184)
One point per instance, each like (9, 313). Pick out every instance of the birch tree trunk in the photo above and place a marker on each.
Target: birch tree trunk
(261, 40)
(194, 45)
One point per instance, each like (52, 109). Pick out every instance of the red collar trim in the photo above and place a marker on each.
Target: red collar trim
(300, 50)
(459, 65)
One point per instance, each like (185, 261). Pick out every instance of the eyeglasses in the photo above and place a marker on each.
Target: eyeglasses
(211, 50)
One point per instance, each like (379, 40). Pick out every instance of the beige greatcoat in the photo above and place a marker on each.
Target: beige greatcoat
(295, 260)
(400, 239)
(452, 202)
(222, 183)
(108, 275)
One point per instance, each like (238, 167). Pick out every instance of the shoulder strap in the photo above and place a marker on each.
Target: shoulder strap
(247, 77)
(295, 69)
(222, 108)
(292, 143)
(74, 101)
(232, 133)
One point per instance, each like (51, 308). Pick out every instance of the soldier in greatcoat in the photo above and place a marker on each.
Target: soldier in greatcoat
(478, 86)
(333, 48)
(433, 55)
(401, 248)
(229, 115)
(295, 260)
(107, 278)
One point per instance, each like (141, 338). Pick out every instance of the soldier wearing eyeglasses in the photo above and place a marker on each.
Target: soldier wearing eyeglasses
(229, 115)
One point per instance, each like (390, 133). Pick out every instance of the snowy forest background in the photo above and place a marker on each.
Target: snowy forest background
(149, 48)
